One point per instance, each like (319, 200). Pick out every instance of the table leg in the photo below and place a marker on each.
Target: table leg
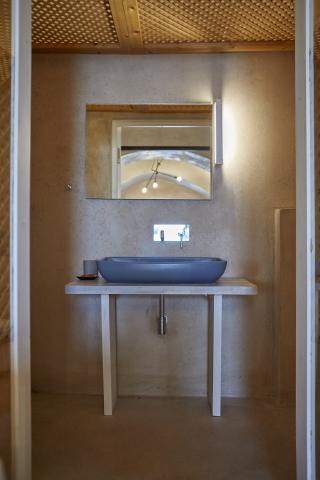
(108, 353)
(214, 367)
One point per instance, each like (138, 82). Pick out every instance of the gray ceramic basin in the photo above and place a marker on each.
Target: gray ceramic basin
(161, 269)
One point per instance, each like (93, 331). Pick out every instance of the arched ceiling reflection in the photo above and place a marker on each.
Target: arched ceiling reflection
(186, 156)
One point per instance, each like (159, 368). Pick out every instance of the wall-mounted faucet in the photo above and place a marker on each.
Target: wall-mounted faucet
(171, 233)
(181, 239)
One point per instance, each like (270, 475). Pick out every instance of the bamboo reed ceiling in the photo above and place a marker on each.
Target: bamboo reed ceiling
(5, 118)
(156, 26)
(317, 32)
(5, 40)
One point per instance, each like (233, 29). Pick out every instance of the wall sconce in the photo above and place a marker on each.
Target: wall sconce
(218, 133)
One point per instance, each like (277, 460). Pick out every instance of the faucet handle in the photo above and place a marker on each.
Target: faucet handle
(181, 235)
(162, 235)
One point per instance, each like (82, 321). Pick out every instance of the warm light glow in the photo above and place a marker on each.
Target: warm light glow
(144, 190)
(179, 179)
(155, 185)
(230, 136)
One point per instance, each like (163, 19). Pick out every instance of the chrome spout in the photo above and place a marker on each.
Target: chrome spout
(181, 236)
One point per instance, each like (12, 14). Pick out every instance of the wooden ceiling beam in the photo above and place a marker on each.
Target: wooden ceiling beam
(126, 19)
(78, 48)
(220, 47)
(168, 48)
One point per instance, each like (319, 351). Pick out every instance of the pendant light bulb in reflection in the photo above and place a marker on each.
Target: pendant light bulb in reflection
(144, 190)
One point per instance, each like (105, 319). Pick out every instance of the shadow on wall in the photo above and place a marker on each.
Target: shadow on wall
(53, 143)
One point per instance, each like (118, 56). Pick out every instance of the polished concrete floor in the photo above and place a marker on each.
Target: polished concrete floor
(161, 439)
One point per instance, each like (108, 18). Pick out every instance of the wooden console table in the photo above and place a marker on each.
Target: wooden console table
(108, 291)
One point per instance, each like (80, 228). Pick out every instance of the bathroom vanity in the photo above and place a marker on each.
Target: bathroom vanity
(108, 292)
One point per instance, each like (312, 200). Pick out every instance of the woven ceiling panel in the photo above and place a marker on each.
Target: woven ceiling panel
(73, 22)
(208, 21)
(317, 43)
(5, 40)
(5, 120)
(317, 31)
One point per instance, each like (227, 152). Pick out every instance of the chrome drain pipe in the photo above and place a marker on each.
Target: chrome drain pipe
(163, 319)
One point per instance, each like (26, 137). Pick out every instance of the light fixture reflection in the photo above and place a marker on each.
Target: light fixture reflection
(154, 176)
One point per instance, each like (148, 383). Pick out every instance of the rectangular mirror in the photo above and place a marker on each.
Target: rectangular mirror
(149, 152)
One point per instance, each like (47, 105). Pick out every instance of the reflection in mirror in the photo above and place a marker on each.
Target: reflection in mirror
(150, 155)
(163, 161)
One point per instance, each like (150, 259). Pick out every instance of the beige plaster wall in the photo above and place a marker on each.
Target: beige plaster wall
(238, 224)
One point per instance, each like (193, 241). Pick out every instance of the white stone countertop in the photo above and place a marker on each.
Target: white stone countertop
(224, 286)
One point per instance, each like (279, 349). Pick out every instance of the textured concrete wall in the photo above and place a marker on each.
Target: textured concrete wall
(257, 176)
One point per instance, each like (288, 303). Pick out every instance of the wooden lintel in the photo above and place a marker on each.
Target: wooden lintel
(220, 47)
(79, 48)
(115, 49)
(126, 19)
(152, 108)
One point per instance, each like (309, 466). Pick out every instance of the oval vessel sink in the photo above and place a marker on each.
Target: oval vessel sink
(161, 269)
